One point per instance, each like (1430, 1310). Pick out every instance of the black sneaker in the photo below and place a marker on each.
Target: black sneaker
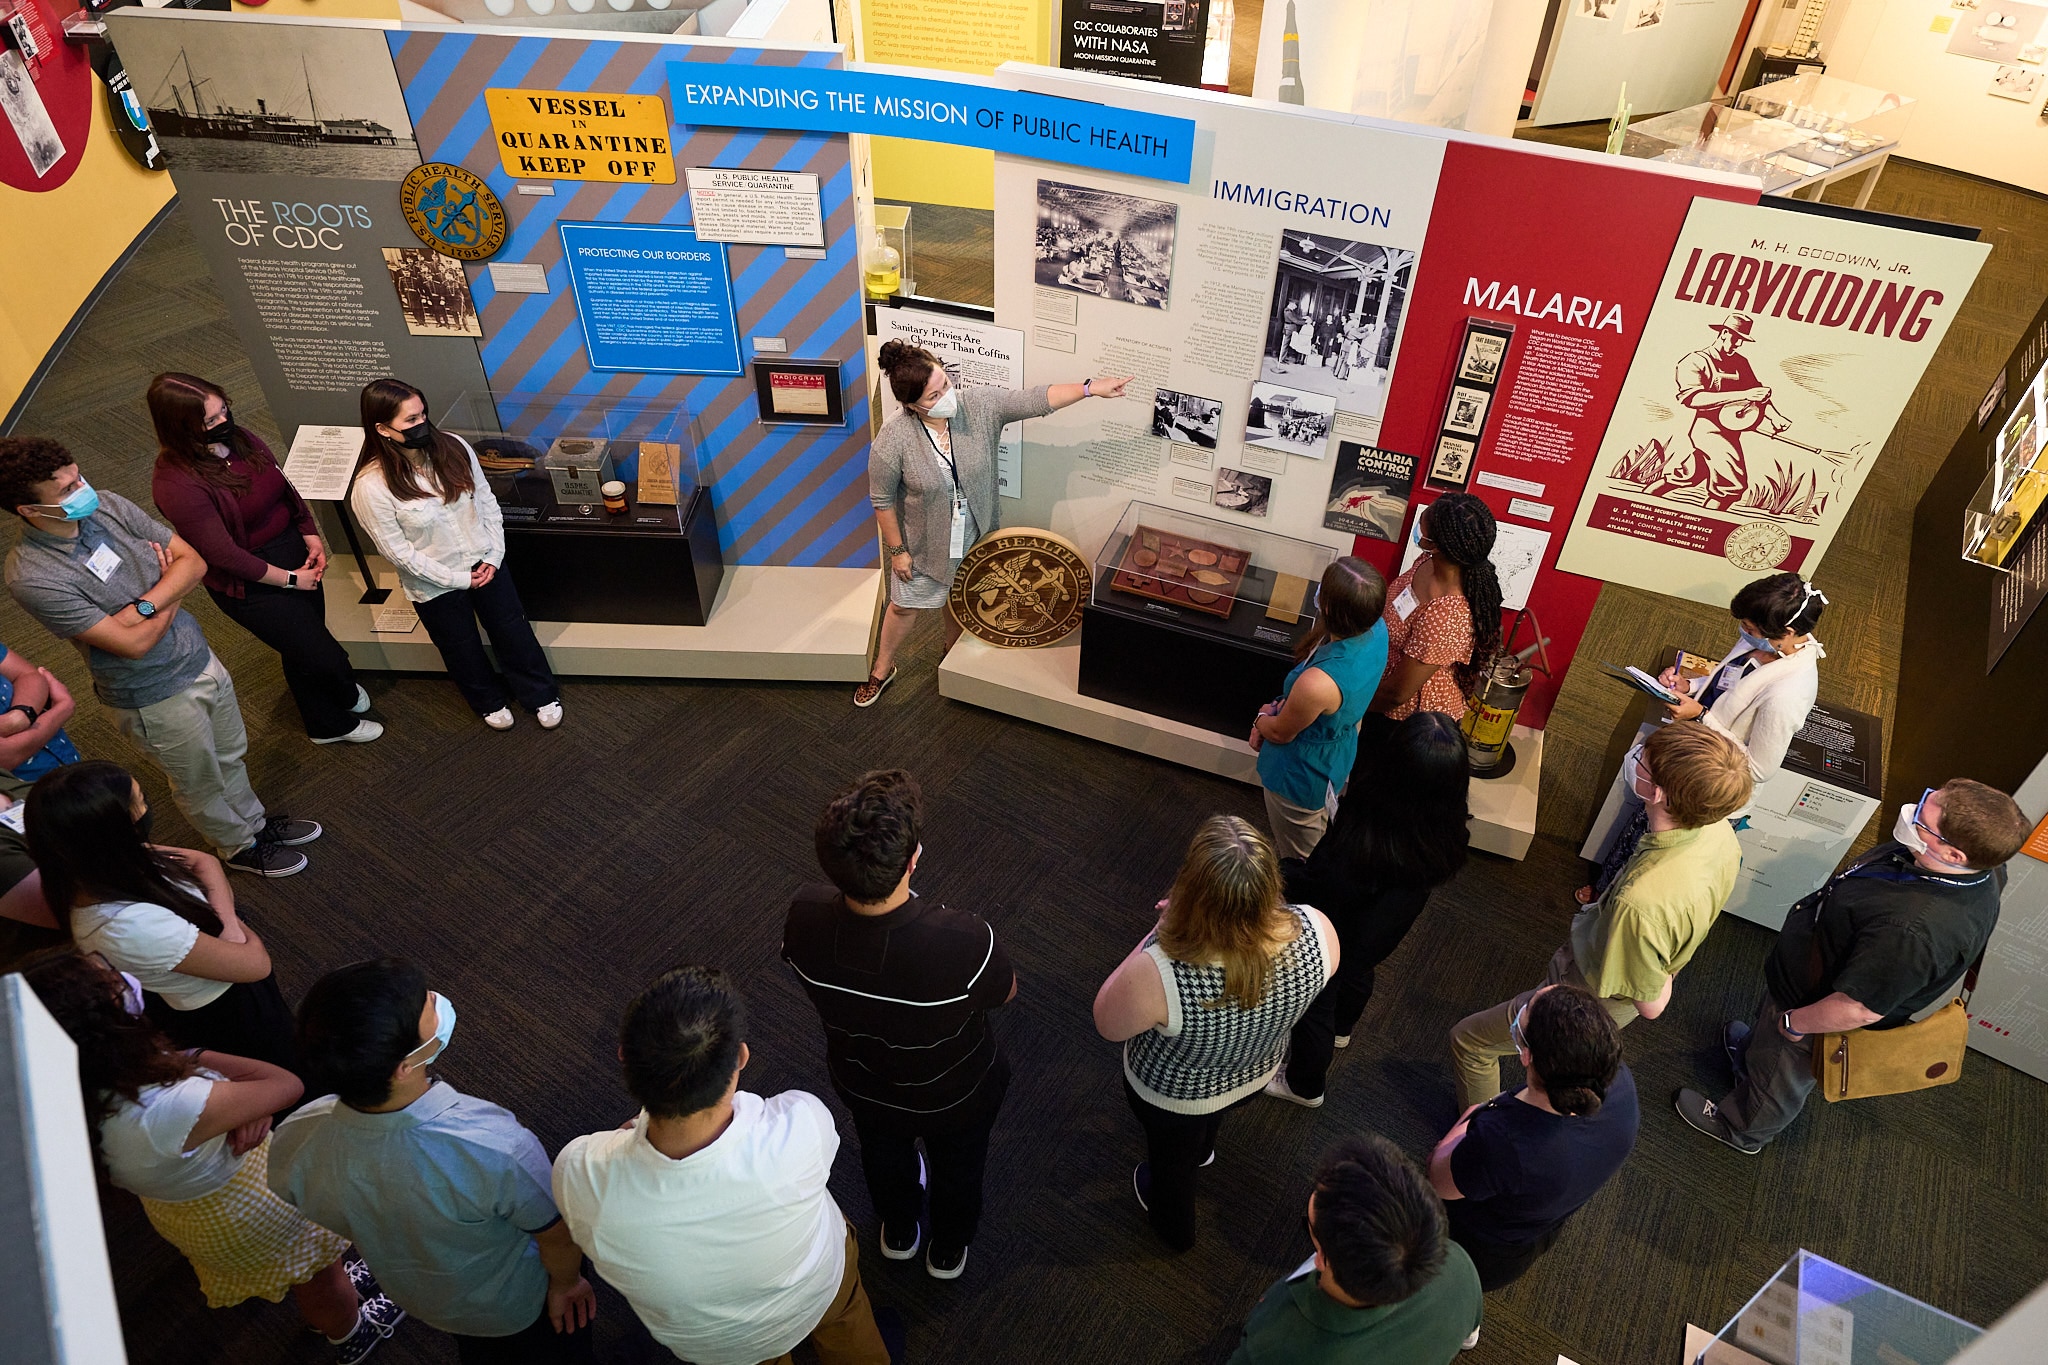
(945, 1263)
(379, 1309)
(289, 832)
(359, 1275)
(1703, 1114)
(897, 1247)
(268, 858)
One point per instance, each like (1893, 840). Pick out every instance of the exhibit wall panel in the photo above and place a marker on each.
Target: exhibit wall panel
(1577, 307)
(972, 37)
(1188, 287)
(295, 230)
(1670, 53)
(1956, 122)
(785, 495)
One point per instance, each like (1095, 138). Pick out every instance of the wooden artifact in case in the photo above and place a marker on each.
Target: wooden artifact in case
(1174, 567)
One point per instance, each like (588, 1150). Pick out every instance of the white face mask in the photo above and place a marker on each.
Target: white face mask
(1906, 832)
(945, 405)
(1632, 774)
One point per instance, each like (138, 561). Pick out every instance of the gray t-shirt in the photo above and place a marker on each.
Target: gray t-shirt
(54, 579)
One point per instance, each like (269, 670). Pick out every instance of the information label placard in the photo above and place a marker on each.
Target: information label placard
(652, 298)
(548, 134)
(766, 208)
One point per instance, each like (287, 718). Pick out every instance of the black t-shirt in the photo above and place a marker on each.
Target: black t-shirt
(1524, 1170)
(904, 998)
(1890, 936)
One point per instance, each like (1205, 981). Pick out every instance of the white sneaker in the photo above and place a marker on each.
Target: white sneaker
(1469, 1342)
(362, 700)
(500, 719)
(1278, 1089)
(549, 716)
(365, 731)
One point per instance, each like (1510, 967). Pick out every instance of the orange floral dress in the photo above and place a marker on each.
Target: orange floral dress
(1438, 632)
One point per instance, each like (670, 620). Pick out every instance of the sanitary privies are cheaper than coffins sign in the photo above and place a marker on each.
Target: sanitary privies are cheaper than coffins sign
(549, 135)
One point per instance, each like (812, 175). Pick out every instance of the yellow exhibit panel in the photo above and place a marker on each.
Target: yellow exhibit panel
(970, 36)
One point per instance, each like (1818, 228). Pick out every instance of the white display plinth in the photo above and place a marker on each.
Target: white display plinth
(774, 623)
(1800, 829)
(1042, 685)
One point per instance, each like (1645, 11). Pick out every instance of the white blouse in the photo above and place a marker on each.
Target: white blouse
(431, 543)
(1762, 712)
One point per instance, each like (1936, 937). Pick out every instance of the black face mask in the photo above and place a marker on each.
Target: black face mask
(142, 826)
(420, 437)
(221, 430)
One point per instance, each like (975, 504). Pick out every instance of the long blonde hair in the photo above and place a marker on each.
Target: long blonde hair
(1226, 906)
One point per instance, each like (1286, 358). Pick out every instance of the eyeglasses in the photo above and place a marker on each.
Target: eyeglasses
(1515, 1034)
(1922, 825)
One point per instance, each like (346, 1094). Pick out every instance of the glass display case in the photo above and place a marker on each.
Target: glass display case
(606, 519)
(1814, 1312)
(1196, 619)
(2015, 486)
(1781, 133)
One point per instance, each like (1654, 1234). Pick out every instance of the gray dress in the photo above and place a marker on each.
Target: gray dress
(906, 475)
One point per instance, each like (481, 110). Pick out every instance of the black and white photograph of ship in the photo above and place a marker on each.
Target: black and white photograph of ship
(274, 101)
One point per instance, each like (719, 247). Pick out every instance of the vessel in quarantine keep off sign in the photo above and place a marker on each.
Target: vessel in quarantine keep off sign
(1020, 588)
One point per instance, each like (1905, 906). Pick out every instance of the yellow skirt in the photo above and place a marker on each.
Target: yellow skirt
(243, 1240)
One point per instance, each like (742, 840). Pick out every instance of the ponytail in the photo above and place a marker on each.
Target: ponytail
(1574, 1049)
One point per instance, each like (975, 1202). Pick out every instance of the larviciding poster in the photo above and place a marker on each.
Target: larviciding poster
(1779, 355)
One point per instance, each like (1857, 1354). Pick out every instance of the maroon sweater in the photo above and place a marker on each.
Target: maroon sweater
(227, 528)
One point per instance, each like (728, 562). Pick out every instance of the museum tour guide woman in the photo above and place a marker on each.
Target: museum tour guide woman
(932, 480)
(422, 496)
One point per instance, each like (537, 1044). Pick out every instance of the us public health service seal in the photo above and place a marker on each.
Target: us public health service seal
(1020, 588)
(453, 211)
(1758, 545)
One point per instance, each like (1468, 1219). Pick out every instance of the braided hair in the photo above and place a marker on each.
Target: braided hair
(1463, 528)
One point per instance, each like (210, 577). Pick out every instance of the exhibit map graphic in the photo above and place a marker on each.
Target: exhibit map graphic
(1779, 355)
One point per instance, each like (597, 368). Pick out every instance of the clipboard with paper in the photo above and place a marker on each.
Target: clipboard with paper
(1639, 680)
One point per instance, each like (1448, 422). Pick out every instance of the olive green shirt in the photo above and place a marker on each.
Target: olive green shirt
(1658, 911)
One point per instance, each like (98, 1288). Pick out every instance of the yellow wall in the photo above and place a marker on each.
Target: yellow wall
(970, 36)
(60, 243)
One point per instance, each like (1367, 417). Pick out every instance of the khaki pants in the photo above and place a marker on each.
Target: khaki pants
(847, 1334)
(197, 738)
(1479, 1041)
(1296, 829)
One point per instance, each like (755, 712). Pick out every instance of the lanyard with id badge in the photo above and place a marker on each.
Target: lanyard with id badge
(102, 563)
(956, 539)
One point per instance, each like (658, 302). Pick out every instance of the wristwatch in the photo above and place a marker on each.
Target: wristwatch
(1088, 387)
(291, 578)
(144, 607)
(26, 710)
(1785, 1023)
(894, 550)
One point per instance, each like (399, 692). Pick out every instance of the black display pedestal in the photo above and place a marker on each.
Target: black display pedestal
(1202, 679)
(646, 566)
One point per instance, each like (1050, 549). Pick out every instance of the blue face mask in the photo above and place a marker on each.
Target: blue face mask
(80, 503)
(444, 1028)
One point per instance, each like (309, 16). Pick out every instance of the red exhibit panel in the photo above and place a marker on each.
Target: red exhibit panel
(1575, 279)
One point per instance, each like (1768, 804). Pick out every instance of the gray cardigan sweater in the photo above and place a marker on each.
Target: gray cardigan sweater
(904, 472)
